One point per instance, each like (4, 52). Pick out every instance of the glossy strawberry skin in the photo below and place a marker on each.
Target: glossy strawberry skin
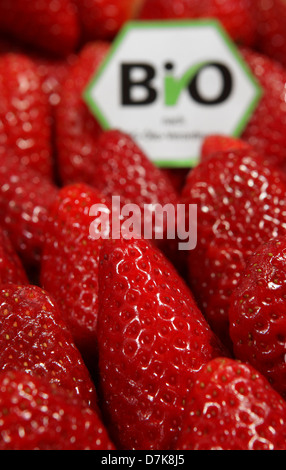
(25, 199)
(69, 267)
(231, 406)
(77, 129)
(103, 19)
(152, 341)
(34, 339)
(52, 71)
(219, 143)
(235, 15)
(41, 24)
(266, 128)
(35, 415)
(121, 168)
(237, 194)
(237, 18)
(258, 313)
(25, 128)
(11, 268)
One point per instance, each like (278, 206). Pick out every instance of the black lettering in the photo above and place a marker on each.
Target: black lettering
(226, 89)
(127, 84)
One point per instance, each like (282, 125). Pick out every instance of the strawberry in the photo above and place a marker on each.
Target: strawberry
(69, 268)
(231, 406)
(266, 129)
(11, 269)
(258, 313)
(115, 165)
(235, 15)
(218, 143)
(169, 9)
(53, 73)
(271, 23)
(34, 415)
(25, 199)
(121, 168)
(34, 339)
(24, 114)
(152, 340)
(103, 19)
(76, 128)
(42, 23)
(51, 70)
(240, 201)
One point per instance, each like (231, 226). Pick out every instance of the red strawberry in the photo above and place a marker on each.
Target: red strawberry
(102, 19)
(258, 313)
(34, 339)
(219, 143)
(69, 268)
(240, 202)
(232, 407)
(266, 129)
(45, 24)
(11, 269)
(271, 26)
(53, 73)
(169, 9)
(121, 168)
(76, 128)
(235, 15)
(34, 415)
(25, 199)
(24, 114)
(152, 342)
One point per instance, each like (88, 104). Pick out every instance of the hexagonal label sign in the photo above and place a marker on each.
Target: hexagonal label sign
(170, 84)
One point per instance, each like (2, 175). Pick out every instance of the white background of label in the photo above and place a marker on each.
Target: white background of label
(184, 46)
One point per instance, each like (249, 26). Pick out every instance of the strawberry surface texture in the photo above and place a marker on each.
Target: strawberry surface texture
(69, 266)
(49, 419)
(152, 341)
(255, 308)
(35, 339)
(236, 193)
(116, 340)
(232, 407)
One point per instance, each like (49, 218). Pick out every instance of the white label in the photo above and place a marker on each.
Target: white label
(170, 84)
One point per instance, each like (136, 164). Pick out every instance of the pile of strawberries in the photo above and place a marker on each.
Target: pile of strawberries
(132, 344)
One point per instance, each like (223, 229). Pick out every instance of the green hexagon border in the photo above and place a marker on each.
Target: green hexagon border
(97, 112)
